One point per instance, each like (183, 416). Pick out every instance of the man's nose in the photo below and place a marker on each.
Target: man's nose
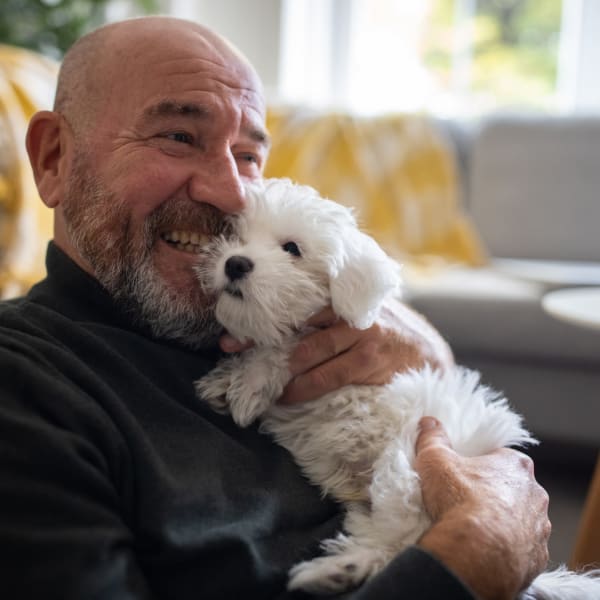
(217, 182)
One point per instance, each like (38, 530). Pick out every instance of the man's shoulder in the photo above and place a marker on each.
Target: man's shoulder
(13, 312)
(35, 335)
(11, 304)
(25, 333)
(22, 314)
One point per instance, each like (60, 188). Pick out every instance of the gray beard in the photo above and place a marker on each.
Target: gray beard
(151, 302)
(98, 228)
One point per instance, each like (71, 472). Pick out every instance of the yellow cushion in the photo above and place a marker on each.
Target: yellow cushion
(396, 171)
(27, 82)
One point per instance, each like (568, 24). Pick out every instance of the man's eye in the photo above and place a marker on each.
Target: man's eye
(292, 248)
(250, 158)
(179, 136)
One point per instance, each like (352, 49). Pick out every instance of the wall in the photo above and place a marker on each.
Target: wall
(253, 26)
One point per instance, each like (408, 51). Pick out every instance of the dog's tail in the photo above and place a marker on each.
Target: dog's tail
(562, 584)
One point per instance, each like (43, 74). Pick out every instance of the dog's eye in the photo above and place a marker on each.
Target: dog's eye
(292, 248)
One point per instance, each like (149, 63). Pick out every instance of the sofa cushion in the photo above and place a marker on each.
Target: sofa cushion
(533, 188)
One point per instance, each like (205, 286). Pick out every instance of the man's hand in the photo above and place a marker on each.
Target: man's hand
(490, 516)
(336, 354)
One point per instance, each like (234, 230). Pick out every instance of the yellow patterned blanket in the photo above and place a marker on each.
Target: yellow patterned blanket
(396, 171)
(27, 83)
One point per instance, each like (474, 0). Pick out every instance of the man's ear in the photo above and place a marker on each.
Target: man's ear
(48, 139)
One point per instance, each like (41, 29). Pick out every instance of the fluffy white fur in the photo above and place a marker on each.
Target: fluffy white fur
(357, 443)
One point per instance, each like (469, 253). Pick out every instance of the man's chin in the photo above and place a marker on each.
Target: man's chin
(192, 327)
(200, 336)
(172, 308)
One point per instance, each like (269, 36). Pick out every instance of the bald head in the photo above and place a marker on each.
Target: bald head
(95, 67)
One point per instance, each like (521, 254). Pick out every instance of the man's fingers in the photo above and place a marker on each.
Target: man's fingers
(315, 383)
(326, 377)
(320, 346)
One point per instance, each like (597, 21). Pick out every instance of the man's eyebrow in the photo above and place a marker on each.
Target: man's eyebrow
(259, 135)
(168, 108)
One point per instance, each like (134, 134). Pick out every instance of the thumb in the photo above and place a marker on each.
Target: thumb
(434, 461)
(431, 435)
(230, 344)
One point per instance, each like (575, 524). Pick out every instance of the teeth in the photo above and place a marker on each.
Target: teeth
(187, 241)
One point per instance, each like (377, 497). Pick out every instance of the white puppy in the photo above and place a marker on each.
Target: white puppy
(293, 254)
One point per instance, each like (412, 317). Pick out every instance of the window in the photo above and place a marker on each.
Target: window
(453, 57)
(484, 54)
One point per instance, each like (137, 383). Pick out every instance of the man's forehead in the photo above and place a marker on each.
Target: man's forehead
(184, 71)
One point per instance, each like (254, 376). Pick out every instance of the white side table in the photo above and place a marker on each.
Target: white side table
(581, 306)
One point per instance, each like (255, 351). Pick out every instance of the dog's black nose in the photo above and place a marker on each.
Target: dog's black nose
(236, 267)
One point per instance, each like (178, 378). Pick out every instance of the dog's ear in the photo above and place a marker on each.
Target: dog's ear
(362, 279)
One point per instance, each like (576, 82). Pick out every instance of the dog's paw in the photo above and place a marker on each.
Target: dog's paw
(241, 386)
(247, 405)
(253, 390)
(330, 575)
(212, 389)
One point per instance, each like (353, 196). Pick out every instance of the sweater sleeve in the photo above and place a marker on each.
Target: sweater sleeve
(62, 534)
(413, 574)
(417, 575)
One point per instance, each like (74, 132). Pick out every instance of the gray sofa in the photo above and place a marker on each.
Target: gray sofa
(532, 188)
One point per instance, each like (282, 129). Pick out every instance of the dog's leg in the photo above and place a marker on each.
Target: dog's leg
(351, 558)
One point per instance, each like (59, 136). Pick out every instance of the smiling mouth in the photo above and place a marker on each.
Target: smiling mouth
(191, 242)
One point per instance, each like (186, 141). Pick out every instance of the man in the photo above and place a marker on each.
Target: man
(117, 482)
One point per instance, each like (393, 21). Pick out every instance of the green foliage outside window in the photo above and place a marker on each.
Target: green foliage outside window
(511, 47)
(51, 26)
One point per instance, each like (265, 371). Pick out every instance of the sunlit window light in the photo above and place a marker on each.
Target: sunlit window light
(448, 57)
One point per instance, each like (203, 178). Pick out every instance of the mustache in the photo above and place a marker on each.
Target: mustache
(178, 214)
